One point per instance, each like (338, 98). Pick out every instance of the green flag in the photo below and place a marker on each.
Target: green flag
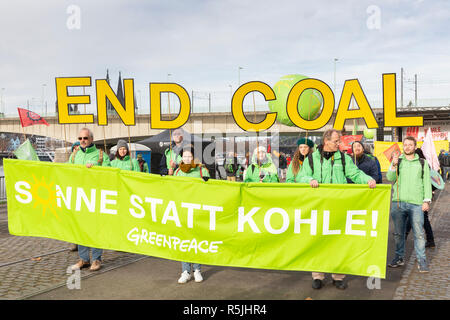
(26, 152)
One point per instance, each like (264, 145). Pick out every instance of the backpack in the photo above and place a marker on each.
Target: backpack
(311, 162)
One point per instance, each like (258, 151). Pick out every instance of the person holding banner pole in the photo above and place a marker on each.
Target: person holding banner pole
(329, 165)
(123, 159)
(89, 156)
(305, 147)
(171, 157)
(188, 168)
(413, 192)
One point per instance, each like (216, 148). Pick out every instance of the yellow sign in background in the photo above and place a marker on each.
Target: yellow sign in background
(381, 146)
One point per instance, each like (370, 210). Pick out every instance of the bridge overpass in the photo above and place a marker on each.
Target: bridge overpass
(215, 124)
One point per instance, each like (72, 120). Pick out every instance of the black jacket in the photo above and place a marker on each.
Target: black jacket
(368, 166)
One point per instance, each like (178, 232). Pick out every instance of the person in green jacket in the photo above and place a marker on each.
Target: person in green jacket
(171, 157)
(331, 166)
(305, 147)
(188, 168)
(143, 166)
(262, 168)
(87, 154)
(123, 160)
(412, 195)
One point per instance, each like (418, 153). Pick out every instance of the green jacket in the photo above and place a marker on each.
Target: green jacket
(125, 164)
(194, 173)
(328, 173)
(267, 169)
(411, 186)
(90, 155)
(145, 167)
(171, 155)
(290, 177)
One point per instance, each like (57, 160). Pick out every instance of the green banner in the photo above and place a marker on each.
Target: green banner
(334, 228)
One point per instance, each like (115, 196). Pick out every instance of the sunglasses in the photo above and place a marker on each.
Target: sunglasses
(83, 138)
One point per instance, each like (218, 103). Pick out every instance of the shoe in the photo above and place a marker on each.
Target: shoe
(340, 284)
(73, 247)
(317, 284)
(80, 265)
(430, 244)
(96, 265)
(397, 262)
(198, 276)
(185, 277)
(423, 267)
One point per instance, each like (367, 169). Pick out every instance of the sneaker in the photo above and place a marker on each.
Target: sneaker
(423, 267)
(397, 262)
(80, 265)
(340, 284)
(198, 276)
(96, 265)
(185, 277)
(317, 284)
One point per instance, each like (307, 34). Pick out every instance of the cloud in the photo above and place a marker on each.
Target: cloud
(202, 43)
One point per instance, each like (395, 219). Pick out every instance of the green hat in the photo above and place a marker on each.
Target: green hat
(305, 141)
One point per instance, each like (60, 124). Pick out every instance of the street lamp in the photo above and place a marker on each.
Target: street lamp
(168, 94)
(2, 111)
(239, 76)
(43, 98)
(335, 60)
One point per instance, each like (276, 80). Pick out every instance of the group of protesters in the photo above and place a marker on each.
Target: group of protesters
(311, 164)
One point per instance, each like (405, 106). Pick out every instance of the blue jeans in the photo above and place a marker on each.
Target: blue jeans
(83, 252)
(186, 266)
(415, 215)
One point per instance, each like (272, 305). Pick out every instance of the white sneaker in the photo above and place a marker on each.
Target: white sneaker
(198, 276)
(185, 277)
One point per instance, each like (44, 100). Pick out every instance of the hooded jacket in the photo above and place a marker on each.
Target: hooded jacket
(194, 173)
(90, 155)
(414, 186)
(267, 170)
(125, 164)
(331, 170)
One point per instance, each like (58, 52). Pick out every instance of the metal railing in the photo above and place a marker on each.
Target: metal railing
(2, 189)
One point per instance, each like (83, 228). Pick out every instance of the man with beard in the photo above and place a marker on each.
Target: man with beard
(328, 165)
(411, 197)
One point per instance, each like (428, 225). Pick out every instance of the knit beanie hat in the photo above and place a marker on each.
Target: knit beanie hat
(122, 143)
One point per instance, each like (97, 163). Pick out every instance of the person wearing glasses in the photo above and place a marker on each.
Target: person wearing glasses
(88, 154)
(329, 165)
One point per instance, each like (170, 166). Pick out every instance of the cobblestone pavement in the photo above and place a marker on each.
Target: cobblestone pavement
(435, 284)
(30, 265)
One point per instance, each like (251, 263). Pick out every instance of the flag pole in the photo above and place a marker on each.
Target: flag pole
(129, 144)
(65, 139)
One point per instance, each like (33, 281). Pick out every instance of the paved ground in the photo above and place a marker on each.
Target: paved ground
(36, 268)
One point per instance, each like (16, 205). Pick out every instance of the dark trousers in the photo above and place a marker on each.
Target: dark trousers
(426, 226)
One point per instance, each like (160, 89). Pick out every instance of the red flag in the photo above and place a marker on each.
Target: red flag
(346, 141)
(29, 118)
(388, 153)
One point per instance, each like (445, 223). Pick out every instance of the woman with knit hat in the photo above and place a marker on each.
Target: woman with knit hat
(262, 168)
(188, 168)
(123, 160)
(305, 147)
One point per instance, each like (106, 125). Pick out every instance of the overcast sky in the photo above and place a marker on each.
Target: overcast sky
(203, 43)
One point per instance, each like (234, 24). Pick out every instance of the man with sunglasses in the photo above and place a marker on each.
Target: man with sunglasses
(329, 165)
(88, 155)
